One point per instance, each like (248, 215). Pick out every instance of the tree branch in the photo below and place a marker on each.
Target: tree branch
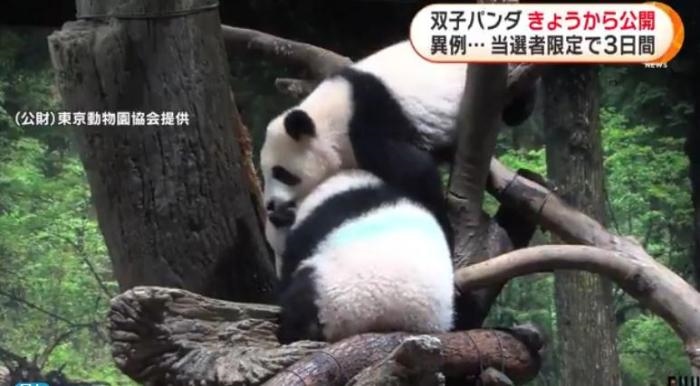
(174, 336)
(43, 357)
(321, 62)
(548, 258)
(463, 354)
(478, 122)
(80, 251)
(318, 61)
(44, 311)
(296, 88)
(621, 259)
(416, 361)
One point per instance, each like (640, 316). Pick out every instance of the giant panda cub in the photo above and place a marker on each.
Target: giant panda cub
(363, 257)
(392, 113)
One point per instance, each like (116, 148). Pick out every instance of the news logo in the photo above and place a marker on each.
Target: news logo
(31, 384)
(683, 381)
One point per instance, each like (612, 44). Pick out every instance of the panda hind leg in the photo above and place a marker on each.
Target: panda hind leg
(299, 315)
(520, 107)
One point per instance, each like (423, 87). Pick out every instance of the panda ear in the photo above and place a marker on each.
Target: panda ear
(299, 124)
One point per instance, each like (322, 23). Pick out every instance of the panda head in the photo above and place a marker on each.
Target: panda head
(295, 158)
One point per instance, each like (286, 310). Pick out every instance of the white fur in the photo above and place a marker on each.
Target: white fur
(428, 92)
(276, 238)
(388, 270)
(341, 182)
(312, 159)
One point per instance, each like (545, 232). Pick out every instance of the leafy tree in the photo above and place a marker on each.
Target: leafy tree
(55, 276)
(648, 188)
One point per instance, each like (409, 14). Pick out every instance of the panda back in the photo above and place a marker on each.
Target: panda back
(388, 270)
(428, 92)
(369, 259)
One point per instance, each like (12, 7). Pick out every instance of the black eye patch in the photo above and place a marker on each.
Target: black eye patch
(284, 176)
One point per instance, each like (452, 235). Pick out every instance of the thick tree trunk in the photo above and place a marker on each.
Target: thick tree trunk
(585, 317)
(692, 150)
(172, 201)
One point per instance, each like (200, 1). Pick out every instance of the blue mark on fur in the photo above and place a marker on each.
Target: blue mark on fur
(381, 225)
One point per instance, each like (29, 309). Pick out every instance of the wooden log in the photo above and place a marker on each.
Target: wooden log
(177, 337)
(463, 354)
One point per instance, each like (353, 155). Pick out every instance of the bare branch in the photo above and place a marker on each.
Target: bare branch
(80, 251)
(463, 354)
(478, 122)
(548, 258)
(44, 311)
(318, 61)
(97, 277)
(416, 361)
(624, 260)
(46, 352)
(296, 88)
(7, 356)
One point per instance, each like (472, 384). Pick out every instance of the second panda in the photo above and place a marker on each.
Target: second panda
(363, 257)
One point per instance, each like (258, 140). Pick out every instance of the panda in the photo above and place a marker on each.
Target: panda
(392, 113)
(363, 257)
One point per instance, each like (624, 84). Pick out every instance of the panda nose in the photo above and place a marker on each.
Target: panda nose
(282, 215)
(273, 205)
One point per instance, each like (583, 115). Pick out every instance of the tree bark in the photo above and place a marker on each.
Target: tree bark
(477, 124)
(585, 317)
(175, 337)
(692, 150)
(172, 200)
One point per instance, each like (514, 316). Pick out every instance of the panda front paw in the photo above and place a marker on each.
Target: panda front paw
(283, 217)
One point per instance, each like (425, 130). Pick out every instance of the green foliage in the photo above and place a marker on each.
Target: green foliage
(49, 247)
(55, 275)
(650, 350)
(648, 188)
(649, 199)
(651, 97)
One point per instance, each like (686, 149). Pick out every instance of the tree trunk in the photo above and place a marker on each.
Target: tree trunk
(585, 317)
(172, 201)
(692, 150)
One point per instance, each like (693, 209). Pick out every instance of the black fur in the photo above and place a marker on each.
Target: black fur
(299, 315)
(282, 216)
(281, 174)
(298, 124)
(385, 143)
(305, 237)
(520, 107)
